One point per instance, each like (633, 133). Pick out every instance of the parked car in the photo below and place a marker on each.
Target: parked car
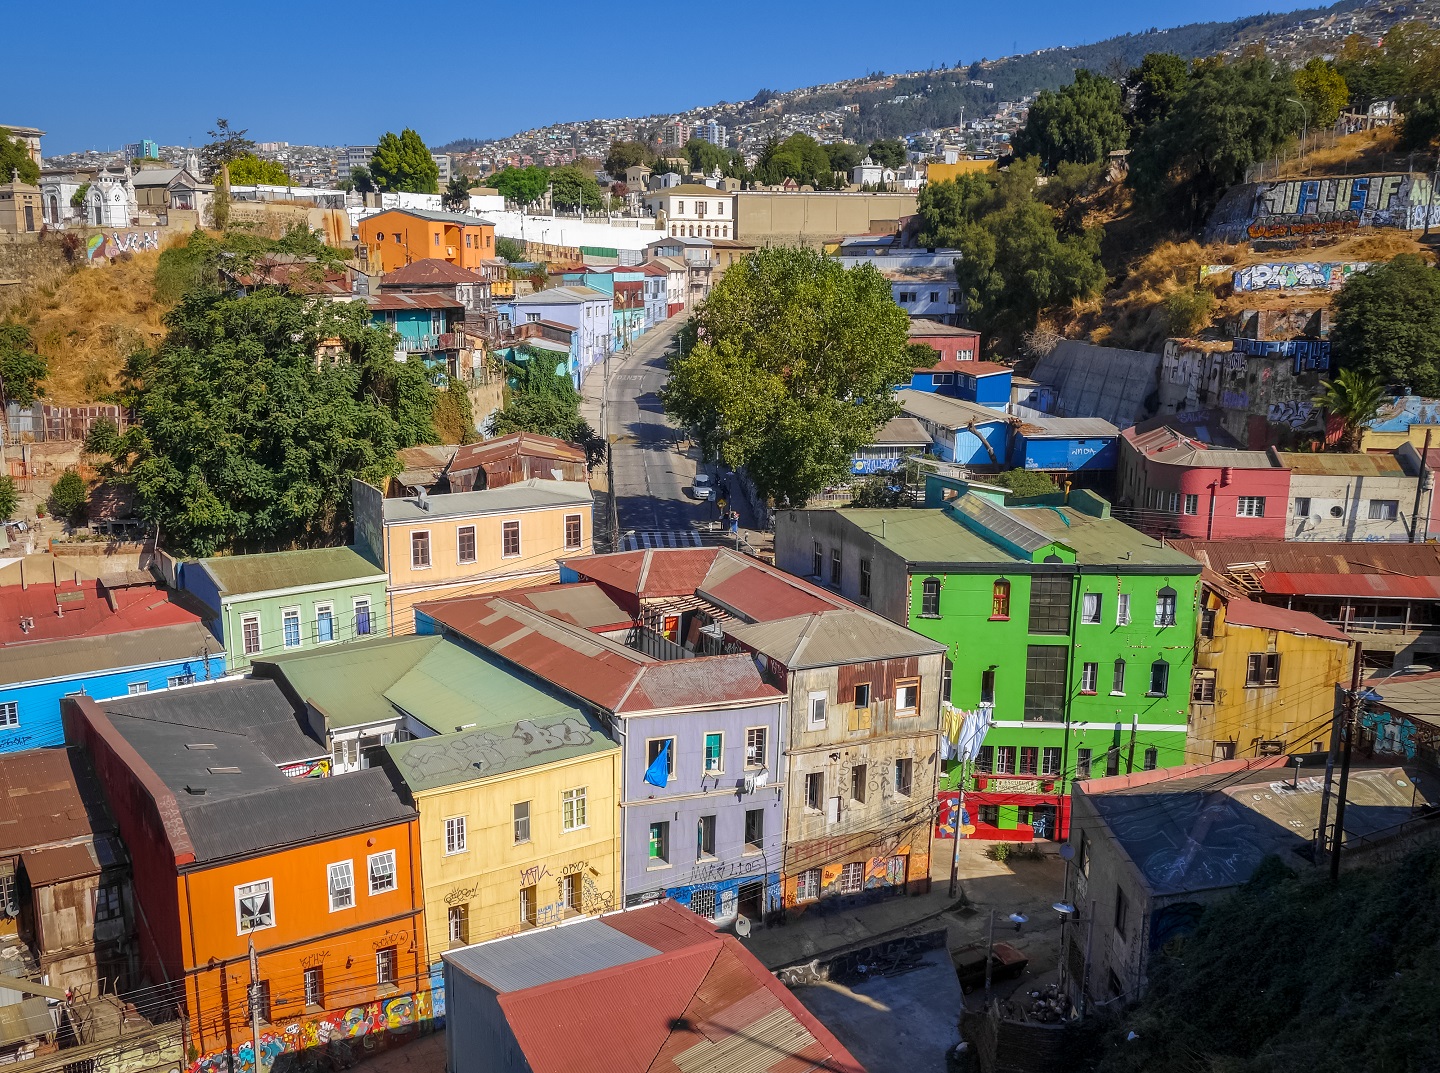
(1006, 963)
(703, 486)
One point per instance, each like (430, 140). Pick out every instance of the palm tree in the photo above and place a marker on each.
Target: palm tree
(1354, 399)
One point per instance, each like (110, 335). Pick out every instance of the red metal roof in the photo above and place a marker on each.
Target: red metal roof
(667, 925)
(472, 455)
(422, 300)
(1317, 557)
(1378, 586)
(429, 271)
(649, 573)
(86, 609)
(761, 596)
(1243, 612)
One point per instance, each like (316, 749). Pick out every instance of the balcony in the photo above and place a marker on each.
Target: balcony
(426, 344)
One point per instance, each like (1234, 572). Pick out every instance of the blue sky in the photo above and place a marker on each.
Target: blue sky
(311, 73)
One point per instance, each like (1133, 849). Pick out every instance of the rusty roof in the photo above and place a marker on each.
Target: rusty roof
(46, 866)
(1326, 568)
(649, 573)
(422, 300)
(429, 271)
(1342, 465)
(49, 796)
(1240, 611)
(473, 455)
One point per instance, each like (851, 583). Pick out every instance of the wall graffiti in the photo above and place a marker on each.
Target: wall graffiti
(117, 242)
(335, 1040)
(461, 894)
(1309, 354)
(1295, 414)
(1294, 208)
(1394, 735)
(307, 769)
(533, 874)
(480, 752)
(399, 938)
(1320, 275)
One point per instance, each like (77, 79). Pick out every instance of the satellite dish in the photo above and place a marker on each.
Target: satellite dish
(1067, 852)
(742, 926)
(1315, 519)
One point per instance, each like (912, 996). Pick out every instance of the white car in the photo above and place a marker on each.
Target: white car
(703, 486)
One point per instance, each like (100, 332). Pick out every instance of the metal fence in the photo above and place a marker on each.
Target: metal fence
(43, 423)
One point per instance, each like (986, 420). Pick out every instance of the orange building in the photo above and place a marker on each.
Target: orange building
(398, 237)
(240, 835)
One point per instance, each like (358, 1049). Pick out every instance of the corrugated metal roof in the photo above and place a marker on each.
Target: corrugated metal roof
(135, 648)
(1242, 612)
(523, 495)
(347, 682)
(665, 925)
(246, 574)
(832, 638)
(543, 957)
(519, 443)
(1004, 523)
(1409, 694)
(930, 329)
(650, 573)
(88, 608)
(436, 216)
(1067, 428)
(24, 1020)
(760, 595)
(48, 796)
(1327, 568)
(1342, 465)
(399, 301)
(947, 412)
(46, 866)
(583, 604)
(706, 680)
(1096, 381)
(902, 432)
(429, 271)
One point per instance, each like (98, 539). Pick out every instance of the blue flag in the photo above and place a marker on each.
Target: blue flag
(658, 773)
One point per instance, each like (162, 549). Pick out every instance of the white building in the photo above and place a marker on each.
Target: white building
(56, 190)
(110, 201)
(867, 171)
(442, 163)
(694, 211)
(358, 156)
(714, 133)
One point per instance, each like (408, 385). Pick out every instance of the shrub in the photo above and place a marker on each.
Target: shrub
(67, 497)
(1188, 310)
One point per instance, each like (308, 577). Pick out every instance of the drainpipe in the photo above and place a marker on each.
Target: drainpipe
(1421, 478)
(1210, 521)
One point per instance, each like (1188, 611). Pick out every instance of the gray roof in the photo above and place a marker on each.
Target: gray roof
(532, 960)
(524, 495)
(133, 648)
(902, 432)
(572, 295)
(1002, 522)
(951, 413)
(242, 574)
(830, 638)
(1097, 381)
(443, 217)
(1067, 428)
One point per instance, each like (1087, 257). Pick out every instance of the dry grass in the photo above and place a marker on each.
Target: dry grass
(1353, 154)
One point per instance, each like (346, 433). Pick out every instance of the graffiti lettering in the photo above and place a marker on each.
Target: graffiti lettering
(461, 894)
(1298, 207)
(480, 752)
(391, 938)
(1328, 276)
(1291, 414)
(120, 242)
(314, 960)
(534, 874)
(572, 868)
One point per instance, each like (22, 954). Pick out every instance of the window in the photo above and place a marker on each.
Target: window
(572, 809)
(1000, 600)
(520, 821)
(852, 878)
(457, 925)
(1202, 687)
(324, 623)
(904, 772)
(660, 842)
(1224, 750)
(1090, 609)
(420, 550)
(137, 687)
(465, 544)
(1029, 759)
(1302, 506)
(1122, 609)
(942, 379)
(990, 815)
(1122, 911)
(835, 566)
(1207, 622)
(1117, 679)
(1050, 762)
(817, 560)
(862, 695)
(859, 783)
(934, 296)
(342, 886)
(1159, 679)
(1192, 503)
(1112, 761)
(509, 539)
(1262, 669)
(1152, 757)
(381, 867)
(1165, 607)
(817, 711)
(864, 579)
(1045, 682)
(1384, 510)
(1250, 507)
(1082, 763)
(814, 790)
(907, 697)
(1089, 674)
(947, 677)
(253, 907)
(714, 754)
(387, 966)
(930, 598)
(987, 687)
(807, 886)
(108, 905)
(527, 905)
(570, 891)
(574, 533)
(705, 837)
(1049, 604)
(654, 747)
(170, 683)
(756, 741)
(454, 835)
(315, 987)
(250, 635)
(754, 830)
(1005, 760)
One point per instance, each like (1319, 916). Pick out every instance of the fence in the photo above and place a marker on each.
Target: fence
(43, 423)
(1292, 161)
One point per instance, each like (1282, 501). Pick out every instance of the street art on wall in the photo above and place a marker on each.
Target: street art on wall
(104, 246)
(1310, 354)
(1296, 208)
(1299, 275)
(335, 1040)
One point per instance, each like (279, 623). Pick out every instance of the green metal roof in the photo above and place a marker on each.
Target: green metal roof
(347, 682)
(249, 574)
(1104, 541)
(926, 536)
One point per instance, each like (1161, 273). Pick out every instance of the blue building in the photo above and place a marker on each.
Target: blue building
(1065, 444)
(961, 431)
(900, 438)
(425, 323)
(984, 382)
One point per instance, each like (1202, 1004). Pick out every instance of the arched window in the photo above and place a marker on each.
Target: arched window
(1159, 678)
(1117, 682)
(1165, 607)
(930, 598)
(1000, 599)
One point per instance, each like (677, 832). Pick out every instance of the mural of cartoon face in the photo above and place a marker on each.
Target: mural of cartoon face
(400, 1012)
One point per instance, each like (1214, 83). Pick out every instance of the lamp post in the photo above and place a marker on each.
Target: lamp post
(1304, 122)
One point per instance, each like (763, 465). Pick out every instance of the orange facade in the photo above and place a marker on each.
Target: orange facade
(398, 237)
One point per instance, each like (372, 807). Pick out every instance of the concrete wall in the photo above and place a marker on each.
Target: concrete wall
(797, 532)
(774, 218)
(1294, 208)
(1351, 496)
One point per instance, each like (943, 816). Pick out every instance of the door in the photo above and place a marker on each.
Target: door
(29, 217)
(1045, 823)
(752, 900)
(896, 868)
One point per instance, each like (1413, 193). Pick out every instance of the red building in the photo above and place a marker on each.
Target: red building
(1177, 484)
(952, 344)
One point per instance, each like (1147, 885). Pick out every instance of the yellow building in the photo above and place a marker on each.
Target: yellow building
(466, 543)
(938, 172)
(1264, 679)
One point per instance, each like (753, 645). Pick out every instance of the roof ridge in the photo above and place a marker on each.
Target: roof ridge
(676, 1024)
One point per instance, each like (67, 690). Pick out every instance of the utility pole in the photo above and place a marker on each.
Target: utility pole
(955, 849)
(1353, 702)
(1130, 757)
(1423, 476)
(255, 1007)
(1342, 705)
(989, 956)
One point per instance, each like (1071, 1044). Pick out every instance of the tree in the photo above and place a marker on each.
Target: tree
(9, 498)
(705, 157)
(457, 194)
(787, 368)
(512, 249)
(799, 157)
(1352, 398)
(21, 368)
(879, 490)
(15, 157)
(362, 180)
(1369, 72)
(1081, 123)
(77, 199)
(1387, 324)
(625, 155)
(1324, 92)
(844, 157)
(1024, 482)
(402, 163)
(103, 437)
(541, 399)
(573, 188)
(67, 497)
(1154, 87)
(247, 169)
(1187, 310)
(524, 186)
(225, 146)
(889, 153)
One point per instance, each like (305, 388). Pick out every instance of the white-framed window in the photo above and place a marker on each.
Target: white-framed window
(509, 539)
(1050, 761)
(324, 623)
(9, 713)
(381, 869)
(574, 532)
(186, 679)
(818, 701)
(362, 616)
(756, 746)
(250, 635)
(659, 843)
(1117, 679)
(815, 791)
(520, 820)
(807, 886)
(714, 753)
(315, 988)
(342, 885)
(465, 544)
(457, 924)
(290, 627)
(1089, 676)
(454, 835)
(1122, 609)
(420, 549)
(852, 878)
(942, 379)
(254, 906)
(1384, 510)
(1090, 609)
(1165, 607)
(572, 809)
(1192, 503)
(137, 687)
(345, 754)
(907, 697)
(1250, 507)
(387, 966)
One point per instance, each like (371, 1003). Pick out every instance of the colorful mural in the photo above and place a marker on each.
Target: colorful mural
(335, 1040)
(1301, 275)
(1296, 208)
(117, 242)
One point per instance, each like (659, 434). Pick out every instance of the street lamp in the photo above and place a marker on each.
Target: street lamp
(1304, 122)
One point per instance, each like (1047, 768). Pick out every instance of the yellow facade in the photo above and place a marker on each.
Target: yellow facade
(1282, 702)
(477, 890)
(1374, 442)
(939, 172)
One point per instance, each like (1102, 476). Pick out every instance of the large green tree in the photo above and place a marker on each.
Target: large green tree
(705, 157)
(21, 368)
(787, 368)
(402, 163)
(575, 187)
(1353, 399)
(1324, 92)
(1154, 88)
(249, 170)
(15, 158)
(524, 186)
(226, 145)
(541, 400)
(624, 155)
(457, 193)
(1080, 124)
(799, 157)
(889, 153)
(244, 439)
(1387, 323)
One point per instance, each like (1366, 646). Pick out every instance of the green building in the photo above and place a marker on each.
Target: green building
(1074, 630)
(288, 601)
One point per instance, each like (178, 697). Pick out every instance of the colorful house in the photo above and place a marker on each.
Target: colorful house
(424, 323)
(289, 601)
(985, 383)
(101, 639)
(952, 344)
(398, 237)
(242, 863)
(588, 311)
(1072, 631)
(1064, 445)
(961, 431)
